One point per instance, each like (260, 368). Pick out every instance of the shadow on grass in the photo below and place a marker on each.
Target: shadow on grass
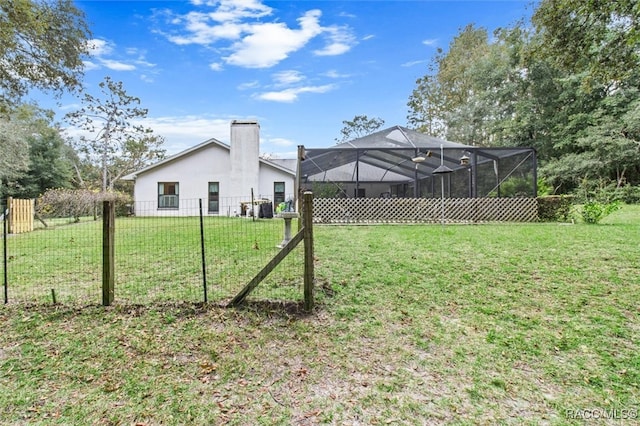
(268, 308)
(276, 308)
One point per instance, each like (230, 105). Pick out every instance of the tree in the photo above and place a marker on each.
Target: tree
(117, 145)
(43, 156)
(461, 98)
(41, 44)
(360, 126)
(426, 107)
(599, 38)
(455, 71)
(567, 87)
(14, 153)
(50, 167)
(608, 148)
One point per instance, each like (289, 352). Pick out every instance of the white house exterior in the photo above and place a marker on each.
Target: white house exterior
(221, 177)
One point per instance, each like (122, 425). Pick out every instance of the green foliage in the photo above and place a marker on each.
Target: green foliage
(14, 153)
(599, 199)
(426, 107)
(33, 153)
(516, 187)
(118, 146)
(544, 188)
(327, 190)
(593, 212)
(547, 87)
(360, 126)
(55, 203)
(599, 38)
(552, 208)
(41, 46)
(629, 194)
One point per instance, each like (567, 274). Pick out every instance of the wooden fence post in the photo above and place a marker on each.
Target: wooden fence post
(309, 273)
(5, 224)
(108, 251)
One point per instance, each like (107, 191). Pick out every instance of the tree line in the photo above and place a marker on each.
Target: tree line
(567, 84)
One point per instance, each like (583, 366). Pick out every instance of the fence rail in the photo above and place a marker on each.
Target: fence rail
(424, 210)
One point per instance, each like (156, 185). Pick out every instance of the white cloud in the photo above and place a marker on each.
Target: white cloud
(88, 65)
(335, 74)
(249, 85)
(216, 66)
(255, 42)
(117, 65)
(269, 43)
(413, 63)
(286, 78)
(333, 49)
(199, 30)
(182, 132)
(291, 94)
(102, 54)
(234, 10)
(430, 42)
(99, 47)
(347, 15)
(340, 41)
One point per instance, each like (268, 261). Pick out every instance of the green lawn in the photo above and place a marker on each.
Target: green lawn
(156, 260)
(488, 324)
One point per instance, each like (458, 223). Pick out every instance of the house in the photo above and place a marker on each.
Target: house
(226, 179)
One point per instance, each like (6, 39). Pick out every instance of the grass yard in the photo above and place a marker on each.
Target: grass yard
(156, 260)
(490, 324)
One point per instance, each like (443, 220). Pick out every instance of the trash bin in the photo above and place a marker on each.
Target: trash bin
(266, 210)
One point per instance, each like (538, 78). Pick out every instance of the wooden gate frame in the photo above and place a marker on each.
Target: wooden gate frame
(305, 234)
(21, 213)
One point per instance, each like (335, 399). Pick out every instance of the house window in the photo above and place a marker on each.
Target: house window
(359, 193)
(167, 195)
(214, 197)
(278, 193)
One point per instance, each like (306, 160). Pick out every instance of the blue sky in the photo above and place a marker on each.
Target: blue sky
(299, 67)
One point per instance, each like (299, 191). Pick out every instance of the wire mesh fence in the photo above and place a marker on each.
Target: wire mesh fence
(161, 255)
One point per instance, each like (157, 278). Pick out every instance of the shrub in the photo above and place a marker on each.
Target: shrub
(594, 211)
(554, 208)
(629, 194)
(79, 202)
